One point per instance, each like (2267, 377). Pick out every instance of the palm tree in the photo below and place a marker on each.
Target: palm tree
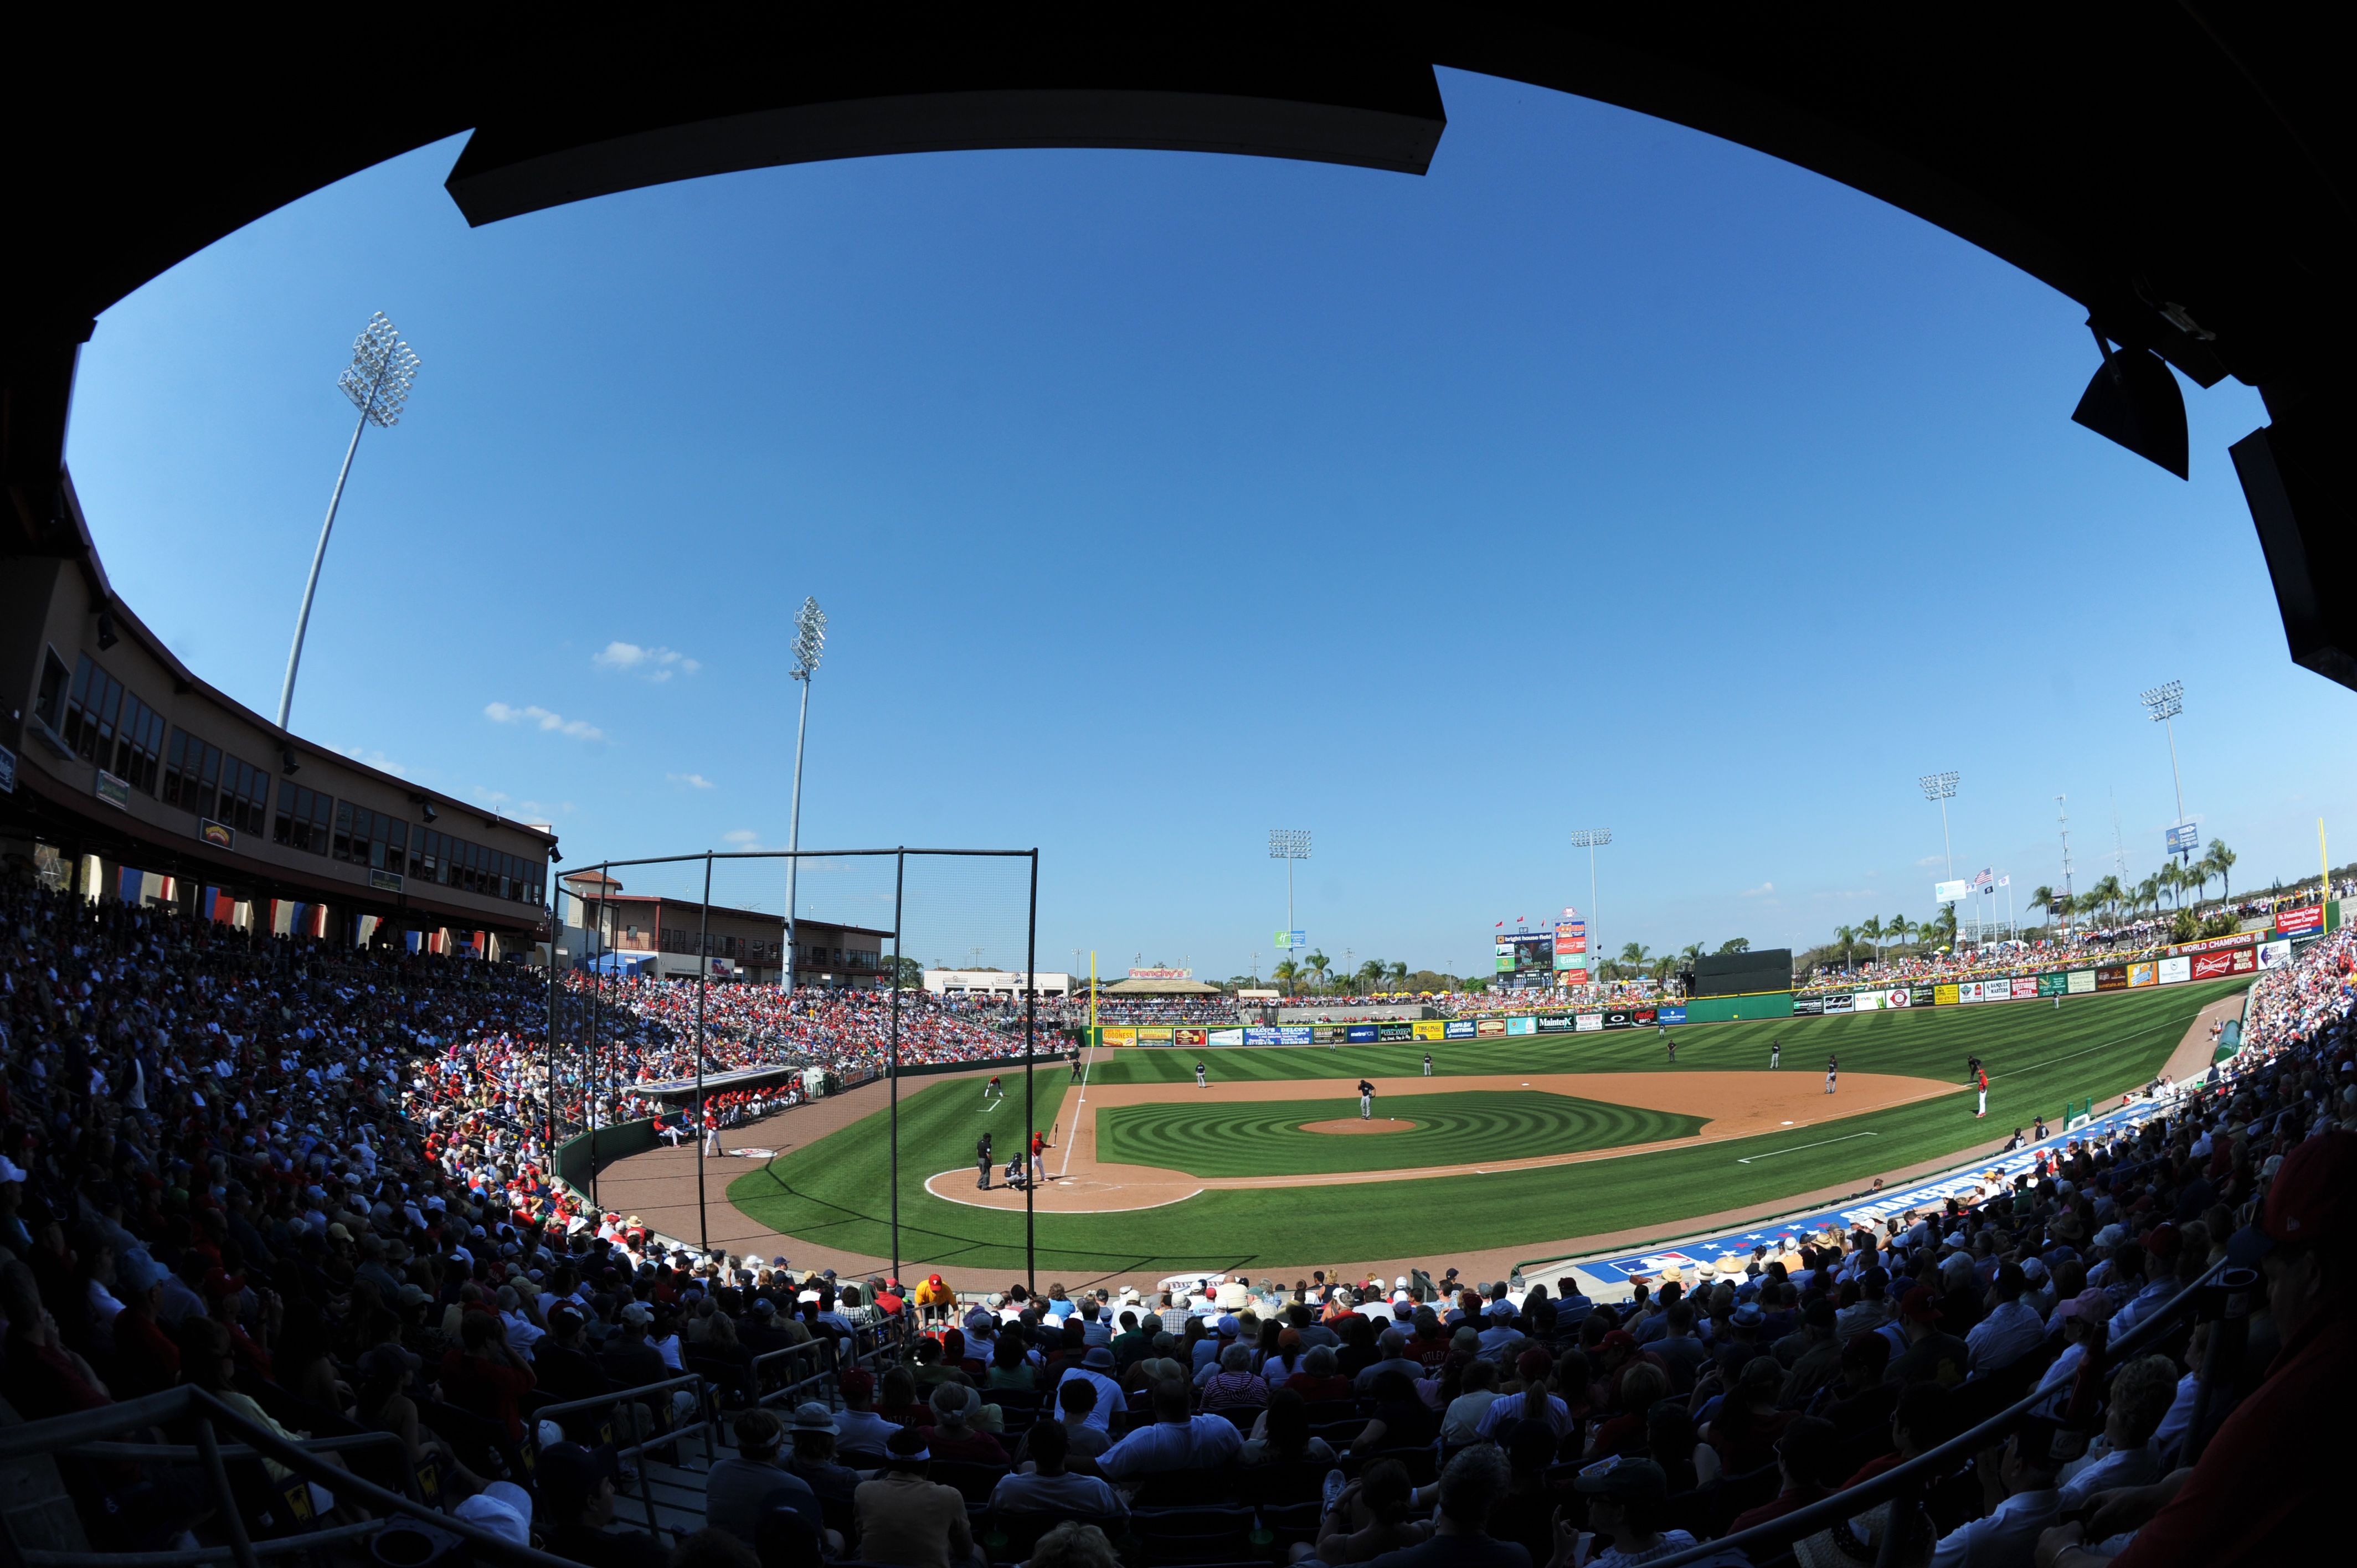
(1398, 975)
(1371, 975)
(1846, 937)
(1736, 944)
(2106, 894)
(1285, 973)
(1690, 951)
(1899, 927)
(2043, 896)
(2221, 861)
(1319, 966)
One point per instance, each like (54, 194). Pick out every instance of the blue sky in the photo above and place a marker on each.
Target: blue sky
(1609, 475)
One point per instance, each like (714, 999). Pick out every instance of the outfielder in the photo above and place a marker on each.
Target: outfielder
(1427, 1064)
(1775, 1054)
(1833, 1065)
(1200, 1080)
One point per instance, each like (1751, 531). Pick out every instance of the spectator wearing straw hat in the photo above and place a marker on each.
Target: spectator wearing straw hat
(905, 1518)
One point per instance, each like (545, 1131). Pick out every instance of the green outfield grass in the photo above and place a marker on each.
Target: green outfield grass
(1265, 1138)
(837, 1191)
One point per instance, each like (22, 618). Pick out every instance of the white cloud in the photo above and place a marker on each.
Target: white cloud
(648, 663)
(540, 718)
(743, 838)
(692, 781)
(492, 798)
(378, 760)
(1763, 890)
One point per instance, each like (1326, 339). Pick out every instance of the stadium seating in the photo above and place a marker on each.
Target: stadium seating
(292, 1198)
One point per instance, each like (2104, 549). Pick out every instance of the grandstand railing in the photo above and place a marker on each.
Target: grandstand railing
(708, 1419)
(2221, 1294)
(211, 1417)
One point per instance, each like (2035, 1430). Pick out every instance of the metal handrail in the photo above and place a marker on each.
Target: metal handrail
(187, 1451)
(188, 1557)
(707, 1420)
(91, 1426)
(1763, 1540)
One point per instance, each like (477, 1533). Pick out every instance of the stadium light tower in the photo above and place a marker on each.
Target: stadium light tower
(1288, 845)
(809, 647)
(378, 382)
(2162, 704)
(1942, 786)
(1588, 839)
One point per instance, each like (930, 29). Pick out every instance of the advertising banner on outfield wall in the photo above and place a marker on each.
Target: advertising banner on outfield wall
(1921, 997)
(2273, 955)
(2219, 965)
(1154, 1033)
(2300, 923)
(1673, 1016)
(1362, 1034)
(1554, 1023)
(1227, 1037)
(1458, 1029)
(1259, 1035)
(2176, 971)
(2053, 984)
(1844, 1002)
(2024, 985)
(1487, 1028)
(2082, 981)
(1522, 1026)
(1807, 1006)
(1589, 1023)
(1329, 1033)
(1430, 1029)
(2218, 944)
(1293, 1034)
(1642, 1016)
(1943, 996)
(1119, 1035)
(2112, 977)
(1968, 990)
(1865, 1001)
(2143, 974)
(1618, 1018)
(1187, 1037)
(1395, 1032)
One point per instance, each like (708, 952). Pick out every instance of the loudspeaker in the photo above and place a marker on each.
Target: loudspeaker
(2295, 477)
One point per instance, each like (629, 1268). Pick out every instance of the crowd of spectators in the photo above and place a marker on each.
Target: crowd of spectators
(306, 1180)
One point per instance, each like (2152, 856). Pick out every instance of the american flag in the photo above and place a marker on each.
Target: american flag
(1981, 880)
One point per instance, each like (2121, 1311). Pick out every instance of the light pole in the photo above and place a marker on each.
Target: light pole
(1942, 786)
(809, 646)
(378, 382)
(1588, 839)
(2162, 704)
(1288, 845)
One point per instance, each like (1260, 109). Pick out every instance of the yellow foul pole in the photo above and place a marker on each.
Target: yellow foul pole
(1092, 997)
(2324, 856)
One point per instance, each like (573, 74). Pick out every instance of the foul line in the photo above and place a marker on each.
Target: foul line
(1088, 1065)
(1798, 1147)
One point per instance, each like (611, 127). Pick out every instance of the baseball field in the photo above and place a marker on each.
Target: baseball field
(1270, 1164)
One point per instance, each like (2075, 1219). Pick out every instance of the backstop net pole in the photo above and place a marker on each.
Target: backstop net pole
(900, 883)
(702, 1115)
(1030, 1035)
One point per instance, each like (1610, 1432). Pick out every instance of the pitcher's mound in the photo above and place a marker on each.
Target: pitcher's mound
(1358, 1125)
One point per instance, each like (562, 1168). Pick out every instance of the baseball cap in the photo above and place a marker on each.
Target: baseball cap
(1624, 1479)
(812, 1416)
(2163, 1240)
(1748, 1315)
(1098, 1358)
(1229, 1327)
(856, 1382)
(1920, 1304)
(2095, 1305)
(2308, 1203)
(637, 1314)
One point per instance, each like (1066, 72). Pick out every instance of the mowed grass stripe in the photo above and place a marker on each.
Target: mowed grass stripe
(1264, 1137)
(2039, 1056)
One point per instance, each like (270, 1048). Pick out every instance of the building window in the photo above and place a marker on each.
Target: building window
(192, 775)
(138, 744)
(52, 705)
(302, 817)
(244, 797)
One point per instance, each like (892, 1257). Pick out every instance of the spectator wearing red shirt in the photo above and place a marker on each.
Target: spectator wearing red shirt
(486, 1377)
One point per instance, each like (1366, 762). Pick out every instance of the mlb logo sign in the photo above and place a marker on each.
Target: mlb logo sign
(1664, 1262)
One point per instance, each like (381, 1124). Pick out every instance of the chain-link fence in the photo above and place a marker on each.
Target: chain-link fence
(683, 1001)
